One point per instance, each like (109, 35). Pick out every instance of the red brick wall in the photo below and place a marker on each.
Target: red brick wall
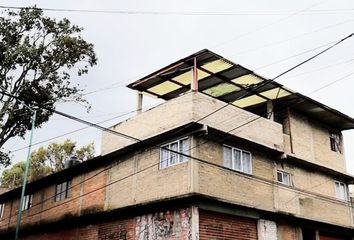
(287, 232)
(74, 205)
(115, 230)
(330, 238)
(218, 226)
(165, 224)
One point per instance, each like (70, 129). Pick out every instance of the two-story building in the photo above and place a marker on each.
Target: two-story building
(228, 155)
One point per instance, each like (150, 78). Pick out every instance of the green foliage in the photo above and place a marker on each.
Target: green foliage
(37, 57)
(45, 161)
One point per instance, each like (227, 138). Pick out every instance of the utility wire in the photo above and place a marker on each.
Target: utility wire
(191, 13)
(213, 112)
(276, 77)
(268, 25)
(291, 38)
(138, 140)
(179, 153)
(74, 131)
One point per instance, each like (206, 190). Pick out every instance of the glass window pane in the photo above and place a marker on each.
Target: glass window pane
(184, 148)
(280, 177)
(227, 157)
(286, 178)
(173, 155)
(24, 203)
(63, 190)
(164, 158)
(246, 162)
(68, 190)
(30, 201)
(237, 160)
(57, 192)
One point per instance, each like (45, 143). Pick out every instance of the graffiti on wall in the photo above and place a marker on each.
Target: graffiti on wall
(168, 225)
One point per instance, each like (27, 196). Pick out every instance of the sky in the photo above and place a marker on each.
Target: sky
(140, 37)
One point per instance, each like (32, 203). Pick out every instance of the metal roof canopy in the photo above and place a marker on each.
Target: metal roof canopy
(234, 84)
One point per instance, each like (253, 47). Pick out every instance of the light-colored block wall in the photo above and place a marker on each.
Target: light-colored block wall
(138, 179)
(192, 107)
(311, 194)
(311, 142)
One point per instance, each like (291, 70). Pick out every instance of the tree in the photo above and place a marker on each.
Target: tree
(38, 55)
(45, 161)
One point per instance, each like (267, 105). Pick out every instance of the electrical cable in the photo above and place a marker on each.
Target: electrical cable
(291, 38)
(276, 77)
(192, 13)
(157, 164)
(135, 139)
(267, 25)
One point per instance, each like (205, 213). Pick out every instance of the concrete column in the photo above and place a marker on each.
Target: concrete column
(139, 102)
(195, 223)
(193, 174)
(270, 110)
(267, 230)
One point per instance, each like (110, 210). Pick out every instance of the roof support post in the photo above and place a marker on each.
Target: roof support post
(194, 84)
(270, 110)
(139, 102)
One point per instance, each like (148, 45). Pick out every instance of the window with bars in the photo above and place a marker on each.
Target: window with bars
(237, 159)
(27, 202)
(62, 190)
(169, 153)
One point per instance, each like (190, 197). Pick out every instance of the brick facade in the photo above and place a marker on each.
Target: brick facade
(218, 226)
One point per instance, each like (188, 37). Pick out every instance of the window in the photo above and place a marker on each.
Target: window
(237, 159)
(341, 190)
(2, 209)
(283, 177)
(27, 202)
(170, 158)
(336, 142)
(62, 191)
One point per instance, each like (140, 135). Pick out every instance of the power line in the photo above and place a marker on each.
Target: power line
(192, 13)
(74, 131)
(291, 38)
(279, 75)
(138, 140)
(268, 25)
(157, 164)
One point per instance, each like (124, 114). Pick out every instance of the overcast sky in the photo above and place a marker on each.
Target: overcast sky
(266, 36)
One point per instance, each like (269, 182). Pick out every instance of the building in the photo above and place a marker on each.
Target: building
(228, 155)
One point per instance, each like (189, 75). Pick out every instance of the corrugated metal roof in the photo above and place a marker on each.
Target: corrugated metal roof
(234, 84)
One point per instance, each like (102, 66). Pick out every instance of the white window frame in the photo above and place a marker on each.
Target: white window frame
(180, 158)
(341, 195)
(2, 209)
(283, 173)
(233, 162)
(64, 190)
(27, 202)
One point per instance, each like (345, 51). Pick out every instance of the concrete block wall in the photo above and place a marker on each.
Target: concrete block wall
(147, 182)
(310, 195)
(192, 107)
(311, 142)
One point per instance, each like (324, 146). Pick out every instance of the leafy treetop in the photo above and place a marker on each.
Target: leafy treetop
(38, 55)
